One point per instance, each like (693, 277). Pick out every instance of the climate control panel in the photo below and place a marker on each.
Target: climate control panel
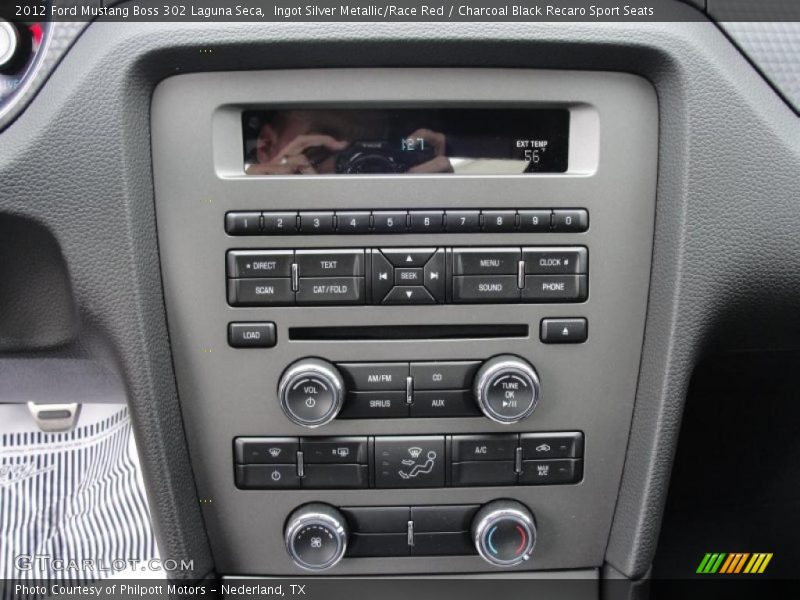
(413, 461)
(502, 532)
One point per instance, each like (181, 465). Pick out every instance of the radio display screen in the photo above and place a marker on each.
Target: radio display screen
(474, 141)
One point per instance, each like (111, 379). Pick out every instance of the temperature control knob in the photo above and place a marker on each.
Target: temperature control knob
(316, 536)
(504, 533)
(507, 388)
(311, 392)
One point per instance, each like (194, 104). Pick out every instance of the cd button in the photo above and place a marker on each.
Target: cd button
(455, 375)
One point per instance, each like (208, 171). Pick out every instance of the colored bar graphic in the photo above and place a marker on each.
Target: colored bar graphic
(734, 563)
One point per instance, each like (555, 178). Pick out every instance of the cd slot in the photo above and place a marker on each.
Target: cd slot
(408, 332)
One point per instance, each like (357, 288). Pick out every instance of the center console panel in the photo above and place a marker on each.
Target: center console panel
(406, 355)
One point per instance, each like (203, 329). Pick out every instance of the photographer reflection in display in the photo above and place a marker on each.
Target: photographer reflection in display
(306, 142)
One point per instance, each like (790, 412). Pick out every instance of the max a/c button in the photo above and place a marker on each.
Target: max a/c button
(564, 331)
(251, 335)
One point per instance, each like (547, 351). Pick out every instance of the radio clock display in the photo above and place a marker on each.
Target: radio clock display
(484, 141)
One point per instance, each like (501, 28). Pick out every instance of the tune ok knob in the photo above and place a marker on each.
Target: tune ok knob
(504, 533)
(311, 392)
(316, 536)
(507, 388)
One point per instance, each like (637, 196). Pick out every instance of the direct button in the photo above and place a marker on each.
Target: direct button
(251, 335)
(259, 263)
(330, 263)
(362, 377)
(485, 261)
(330, 290)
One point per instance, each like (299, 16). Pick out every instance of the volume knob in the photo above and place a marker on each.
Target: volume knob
(311, 392)
(507, 388)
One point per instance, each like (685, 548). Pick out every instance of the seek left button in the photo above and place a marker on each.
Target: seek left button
(267, 477)
(251, 335)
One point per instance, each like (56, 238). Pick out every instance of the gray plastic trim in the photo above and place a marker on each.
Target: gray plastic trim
(197, 153)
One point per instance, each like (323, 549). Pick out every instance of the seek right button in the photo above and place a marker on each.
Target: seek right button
(550, 472)
(555, 288)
